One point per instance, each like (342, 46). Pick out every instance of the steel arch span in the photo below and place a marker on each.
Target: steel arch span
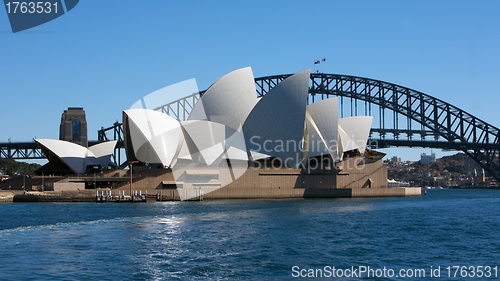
(402, 117)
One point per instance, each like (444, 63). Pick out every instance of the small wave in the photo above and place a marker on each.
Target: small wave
(64, 225)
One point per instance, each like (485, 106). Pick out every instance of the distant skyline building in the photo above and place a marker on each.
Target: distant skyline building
(426, 159)
(73, 126)
(396, 159)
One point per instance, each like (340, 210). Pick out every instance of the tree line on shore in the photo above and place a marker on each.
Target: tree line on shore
(14, 168)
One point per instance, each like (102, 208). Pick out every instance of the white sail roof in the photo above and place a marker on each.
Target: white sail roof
(354, 132)
(155, 137)
(322, 128)
(229, 100)
(78, 157)
(276, 124)
(100, 154)
(205, 140)
(235, 145)
(230, 123)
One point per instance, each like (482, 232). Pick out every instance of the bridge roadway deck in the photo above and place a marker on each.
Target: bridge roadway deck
(30, 150)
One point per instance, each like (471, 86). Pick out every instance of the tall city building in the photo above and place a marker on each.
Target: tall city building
(426, 159)
(74, 126)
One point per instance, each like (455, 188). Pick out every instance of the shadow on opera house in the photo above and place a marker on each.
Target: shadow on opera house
(236, 145)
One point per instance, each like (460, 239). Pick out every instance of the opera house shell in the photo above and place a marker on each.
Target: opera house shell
(236, 145)
(68, 157)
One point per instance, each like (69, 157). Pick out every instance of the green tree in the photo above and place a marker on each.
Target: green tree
(13, 168)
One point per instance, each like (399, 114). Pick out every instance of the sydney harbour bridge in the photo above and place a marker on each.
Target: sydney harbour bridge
(402, 118)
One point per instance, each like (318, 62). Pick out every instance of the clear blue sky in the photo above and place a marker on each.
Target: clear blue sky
(104, 55)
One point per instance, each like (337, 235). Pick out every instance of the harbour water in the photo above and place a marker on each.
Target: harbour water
(252, 239)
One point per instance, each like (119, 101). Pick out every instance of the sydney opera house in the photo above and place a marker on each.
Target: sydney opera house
(236, 145)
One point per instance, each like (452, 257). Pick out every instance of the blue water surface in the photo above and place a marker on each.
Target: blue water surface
(249, 239)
